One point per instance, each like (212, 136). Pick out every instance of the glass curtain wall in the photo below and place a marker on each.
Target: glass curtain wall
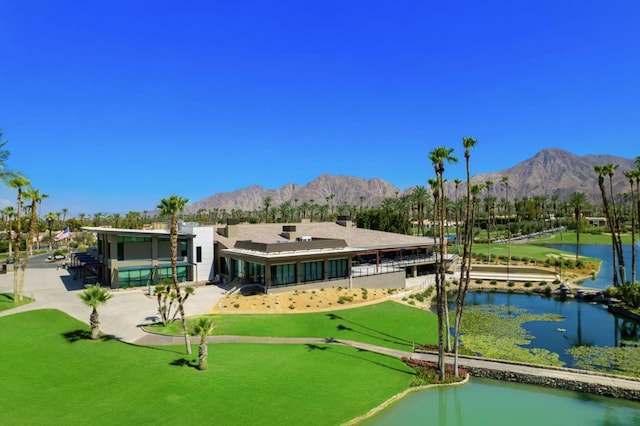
(312, 271)
(338, 268)
(283, 274)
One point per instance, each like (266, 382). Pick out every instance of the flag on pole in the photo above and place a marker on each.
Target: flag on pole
(62, 234)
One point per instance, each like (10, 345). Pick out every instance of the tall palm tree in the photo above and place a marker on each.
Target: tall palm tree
(611, 168)
(602, 171)
(172, 206)
(419, 195)
(467, 239)
(632, 175)
(50, 218)
(9, 212)
(438, 157)
(94, 296)
(18, 182)
(202, 327)
(266, 202)
(578, 201)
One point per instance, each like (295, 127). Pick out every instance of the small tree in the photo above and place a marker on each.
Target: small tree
(95, 296)
(169, 302)
(203, 327)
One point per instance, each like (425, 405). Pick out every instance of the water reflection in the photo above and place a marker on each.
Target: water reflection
(584, 323)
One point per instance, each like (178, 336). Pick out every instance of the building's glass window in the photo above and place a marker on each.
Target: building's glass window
(238, 268)
(122, 239)
(312, 271)
(283, 274)
(255, 273)
(166, 273)
(120, 250)
(198, 254)
(338, 268)
(182, 247)
(135, 278)
(224, 265)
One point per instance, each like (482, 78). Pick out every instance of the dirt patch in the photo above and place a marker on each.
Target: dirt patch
(297, 301)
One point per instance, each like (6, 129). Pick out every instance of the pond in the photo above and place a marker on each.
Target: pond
(584, 323)
(602, 252)
(490, 402)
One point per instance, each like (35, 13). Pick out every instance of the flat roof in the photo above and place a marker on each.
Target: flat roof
(132, 232)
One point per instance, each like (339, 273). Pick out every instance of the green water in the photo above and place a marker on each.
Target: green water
(489, 402)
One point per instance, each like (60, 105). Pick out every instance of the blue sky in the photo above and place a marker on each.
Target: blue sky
(110, 106)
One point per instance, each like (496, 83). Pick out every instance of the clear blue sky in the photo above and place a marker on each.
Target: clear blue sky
(110, 106)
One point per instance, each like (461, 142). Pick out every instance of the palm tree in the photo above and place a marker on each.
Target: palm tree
(633, 175)
(50, 218)
(202, 327)
(419, 195)
(171, 207)
(467, 240)
(602, 171)
(266, 202)
(94, 296)
(578, 201)
(438, 157)
(616, 224)
(18, 182)
(9, 212)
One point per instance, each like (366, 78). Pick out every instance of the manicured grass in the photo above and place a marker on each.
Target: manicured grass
(530, 251)
(386, 324)
(7, 301)
(51, 373)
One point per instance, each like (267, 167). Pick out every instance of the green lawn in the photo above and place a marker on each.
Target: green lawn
(386, 324)
(7, 302)
(51, 374)
(529, 251)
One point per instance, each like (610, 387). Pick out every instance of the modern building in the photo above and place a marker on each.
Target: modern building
(312, 255)
(137, 258)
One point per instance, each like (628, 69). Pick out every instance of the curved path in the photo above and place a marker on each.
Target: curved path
(126, 313)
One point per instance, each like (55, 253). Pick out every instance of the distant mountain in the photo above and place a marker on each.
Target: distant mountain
(550, 172)
(555, 172)
(344, 188)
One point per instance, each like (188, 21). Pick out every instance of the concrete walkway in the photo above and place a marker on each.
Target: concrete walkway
(54, 288)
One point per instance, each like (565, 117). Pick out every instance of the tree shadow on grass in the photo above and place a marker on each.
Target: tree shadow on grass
(391, 338)
(76, 335)
(183, 362)
(314, 347)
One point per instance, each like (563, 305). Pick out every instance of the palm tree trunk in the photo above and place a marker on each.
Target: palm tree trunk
(203, 350)
(95, 324)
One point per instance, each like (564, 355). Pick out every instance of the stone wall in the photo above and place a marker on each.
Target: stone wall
(555, 382)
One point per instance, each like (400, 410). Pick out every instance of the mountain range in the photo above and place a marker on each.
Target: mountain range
(550, 172)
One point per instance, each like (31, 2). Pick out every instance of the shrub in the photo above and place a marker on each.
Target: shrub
(494, 282)
(479, 281)
(419, 297)
(547, 291)
(511, 284)
(236, 305)
(411, 302)
(528, 284)
(292, 306)
(343, 299)
(427, 372)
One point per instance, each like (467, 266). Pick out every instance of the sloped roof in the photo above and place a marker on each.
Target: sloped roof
(353, 236)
